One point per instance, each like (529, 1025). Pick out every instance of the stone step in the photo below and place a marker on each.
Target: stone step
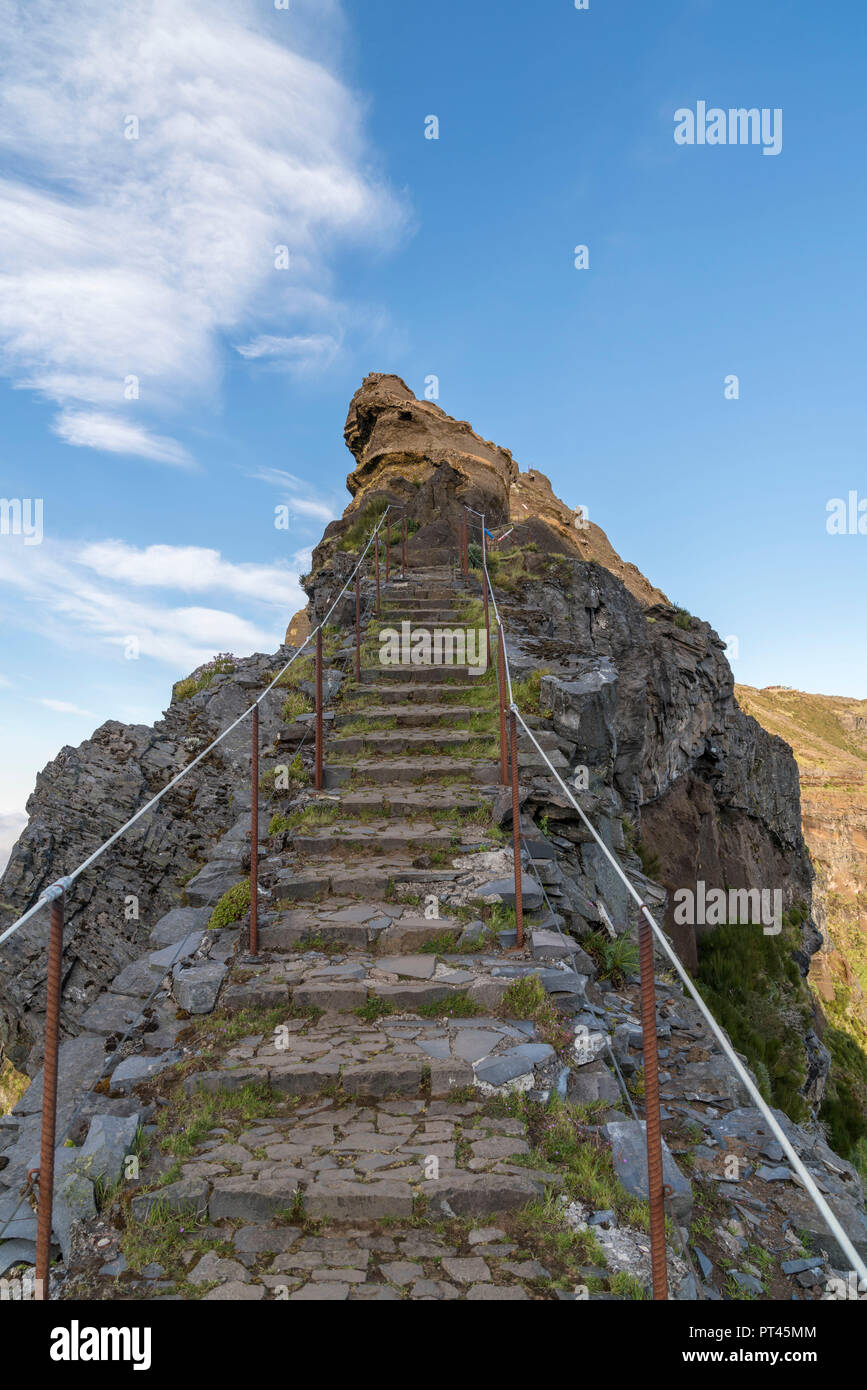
(406, 692)
(388, 839)
(408, 996)
(449, 675)
(362, 879)
(390, 741)
(403, 610)
(396, 800)
(373, 772)
(416, 715)
(285, 933)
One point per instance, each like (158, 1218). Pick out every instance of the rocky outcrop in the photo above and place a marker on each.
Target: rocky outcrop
(412, 454)
(81, 798)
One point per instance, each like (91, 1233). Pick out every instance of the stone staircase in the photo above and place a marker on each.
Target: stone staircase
(384, 1041)
(343, 1125)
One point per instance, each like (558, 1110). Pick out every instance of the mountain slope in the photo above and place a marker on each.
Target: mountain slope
(828, 735)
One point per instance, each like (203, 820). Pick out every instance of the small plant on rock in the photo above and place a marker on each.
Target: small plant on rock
(232, 906)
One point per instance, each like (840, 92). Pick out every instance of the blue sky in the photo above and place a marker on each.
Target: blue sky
(154, 257)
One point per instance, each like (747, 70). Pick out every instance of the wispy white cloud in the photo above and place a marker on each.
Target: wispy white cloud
(66, 605)
(301, 353)
(189, 568)
(92, 430)
(297, 494)
(64, 707)
(138, 256)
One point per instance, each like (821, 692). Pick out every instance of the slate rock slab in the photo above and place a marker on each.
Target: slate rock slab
(109, 1140)
(80, 1064)
(111, 1013)
(178, 923)
(138, 979)
(413, 967)
(532, 896)
(592, 1082)
(173, 955)
(629, 1153)
(215, 879)
(499, 1071)
(134, 1070)
(74, 1200)
(195, 987)
(16, 1252)
(186, 1195)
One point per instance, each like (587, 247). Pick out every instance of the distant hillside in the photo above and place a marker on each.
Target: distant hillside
(828, 734)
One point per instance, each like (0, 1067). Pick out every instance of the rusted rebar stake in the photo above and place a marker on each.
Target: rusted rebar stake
(358, 626)
(516, 833)
(45, 1205)
(653, 1125)
(501, 681)
(317, 777)
(254, 841)
(376, 547)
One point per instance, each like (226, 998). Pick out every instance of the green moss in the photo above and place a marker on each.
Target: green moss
(232, 906)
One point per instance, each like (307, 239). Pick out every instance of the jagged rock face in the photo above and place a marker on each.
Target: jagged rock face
(80, 799)
(648, 706)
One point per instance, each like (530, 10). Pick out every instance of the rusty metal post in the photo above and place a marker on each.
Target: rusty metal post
(466, 551)
(254, 841)
(53, 983)
(376, 547)
(653, 1124)
(358, 625)
(516, 833)
(403, 555)
(317, 780)
(387, 549)
(487, 616)
(501, 682)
